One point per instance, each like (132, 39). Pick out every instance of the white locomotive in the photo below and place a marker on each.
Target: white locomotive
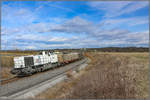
(27, 65)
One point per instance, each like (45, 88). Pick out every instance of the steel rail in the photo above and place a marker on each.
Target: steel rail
(6, 79)
(57, 74)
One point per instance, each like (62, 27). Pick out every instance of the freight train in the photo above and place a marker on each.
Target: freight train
(28, 65)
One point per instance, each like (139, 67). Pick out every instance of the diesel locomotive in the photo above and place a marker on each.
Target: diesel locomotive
(28, 65)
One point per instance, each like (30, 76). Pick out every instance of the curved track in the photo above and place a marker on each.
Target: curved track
(15, 78)
(27, 82)
(5, 81)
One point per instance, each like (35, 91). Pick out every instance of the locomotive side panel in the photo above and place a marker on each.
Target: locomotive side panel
(37, 60)
(53, 58)
(43, 59)
(19, 62)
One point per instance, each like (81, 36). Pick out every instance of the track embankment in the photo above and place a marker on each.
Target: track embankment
(9, 89)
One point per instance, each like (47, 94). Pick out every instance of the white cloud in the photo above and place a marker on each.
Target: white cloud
(38, 28)
(8, 31)
(17, 16)
(57, 5)
(117, 8)
(60, 39)
(76, 25)
(29, 47)
(41, 35)
(130, 38)
(140, 37)
(131, 21)
(95, 36)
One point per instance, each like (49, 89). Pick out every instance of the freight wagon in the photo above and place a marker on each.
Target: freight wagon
(28, 65)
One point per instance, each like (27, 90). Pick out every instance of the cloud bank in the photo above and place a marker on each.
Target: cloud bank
(117, 24)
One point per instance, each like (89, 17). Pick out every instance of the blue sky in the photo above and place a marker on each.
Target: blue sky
(74, 24)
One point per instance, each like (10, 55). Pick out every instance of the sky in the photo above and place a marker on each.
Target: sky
(74, 24)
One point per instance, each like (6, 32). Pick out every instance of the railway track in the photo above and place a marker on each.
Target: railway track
(15, 78)
(5, 81)
(19, 85)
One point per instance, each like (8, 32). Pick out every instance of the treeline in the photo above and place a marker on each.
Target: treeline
(107, 49)
(120, 49)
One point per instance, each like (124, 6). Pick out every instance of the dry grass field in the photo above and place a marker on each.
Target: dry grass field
(108, 75)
